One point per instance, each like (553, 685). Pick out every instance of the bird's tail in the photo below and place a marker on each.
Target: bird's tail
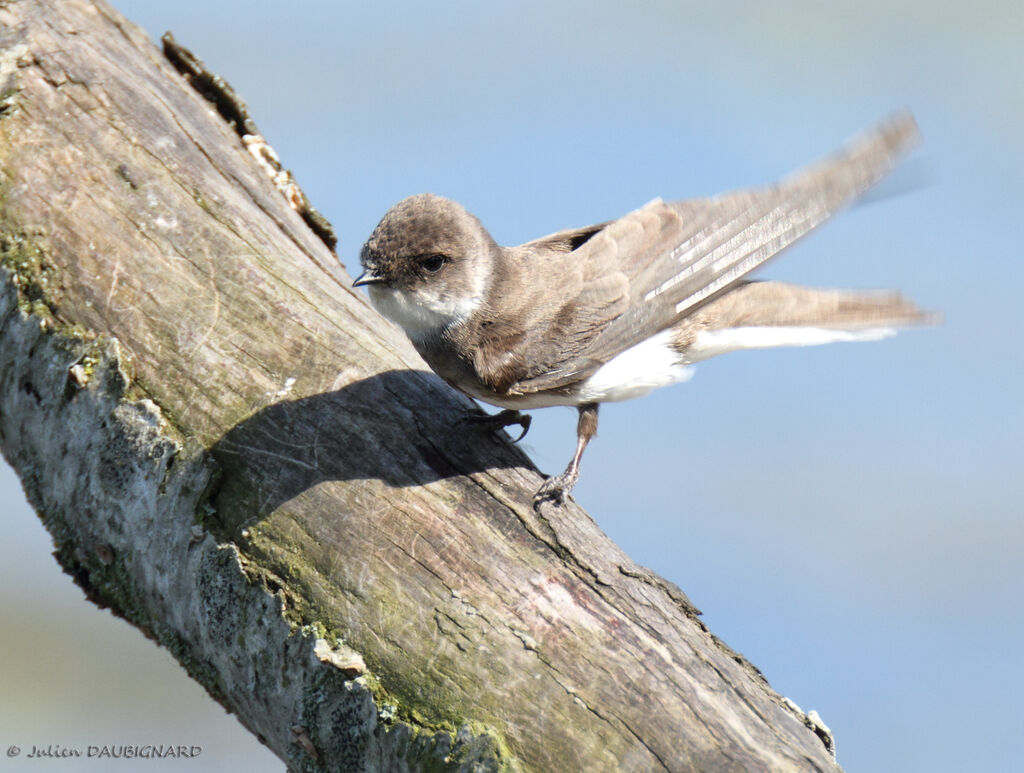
(760, 315)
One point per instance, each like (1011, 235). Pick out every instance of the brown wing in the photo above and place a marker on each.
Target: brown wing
(677, 256)
(565, 241)
(532, 329)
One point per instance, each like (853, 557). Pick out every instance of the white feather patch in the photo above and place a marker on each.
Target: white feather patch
(649, 365)
(710, 343)
(653, 363)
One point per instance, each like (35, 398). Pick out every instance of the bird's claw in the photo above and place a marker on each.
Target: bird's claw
(555, 489)
(505, 418)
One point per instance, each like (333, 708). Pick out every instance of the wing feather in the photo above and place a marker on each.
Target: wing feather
(678, 256)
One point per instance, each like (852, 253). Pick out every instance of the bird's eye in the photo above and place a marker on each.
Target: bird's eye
(433, 263)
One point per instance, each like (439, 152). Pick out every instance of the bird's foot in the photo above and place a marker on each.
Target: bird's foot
(500, 420)
(556, 488)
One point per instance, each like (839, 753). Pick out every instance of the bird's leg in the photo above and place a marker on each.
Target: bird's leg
(500, 420)
(555, 488)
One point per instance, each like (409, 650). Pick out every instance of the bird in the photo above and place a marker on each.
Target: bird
(611, 311)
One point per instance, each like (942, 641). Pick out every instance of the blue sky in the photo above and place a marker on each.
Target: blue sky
(848, 517)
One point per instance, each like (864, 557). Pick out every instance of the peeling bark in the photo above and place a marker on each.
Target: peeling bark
(232, 451)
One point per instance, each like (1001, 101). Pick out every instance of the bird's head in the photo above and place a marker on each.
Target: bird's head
(427, 264)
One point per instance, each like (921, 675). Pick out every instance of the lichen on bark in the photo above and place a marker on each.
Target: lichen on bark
(123, 495)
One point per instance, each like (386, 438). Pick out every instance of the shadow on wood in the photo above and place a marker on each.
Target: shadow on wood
(352, 434)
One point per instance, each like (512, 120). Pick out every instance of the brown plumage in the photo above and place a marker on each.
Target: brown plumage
(575, 318)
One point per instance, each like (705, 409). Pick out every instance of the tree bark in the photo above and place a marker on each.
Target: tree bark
(236, 454)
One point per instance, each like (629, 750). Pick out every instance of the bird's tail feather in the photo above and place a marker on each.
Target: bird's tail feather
(760, 315)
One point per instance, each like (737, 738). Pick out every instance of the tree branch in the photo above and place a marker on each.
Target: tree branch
(236, 454)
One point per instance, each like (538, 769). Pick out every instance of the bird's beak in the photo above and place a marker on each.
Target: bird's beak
(368, 278)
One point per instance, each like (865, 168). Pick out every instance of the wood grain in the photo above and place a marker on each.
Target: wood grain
(357, 508)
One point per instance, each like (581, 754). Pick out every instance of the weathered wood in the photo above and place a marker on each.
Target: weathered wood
(235, 453)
